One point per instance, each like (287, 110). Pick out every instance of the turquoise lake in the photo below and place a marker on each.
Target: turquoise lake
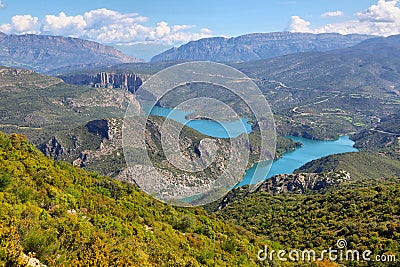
(310, 149)
(211, 128)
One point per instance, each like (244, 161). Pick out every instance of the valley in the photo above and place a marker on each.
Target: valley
(69, 198)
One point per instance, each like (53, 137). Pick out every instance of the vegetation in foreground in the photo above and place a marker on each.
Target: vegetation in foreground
(364, 211)
(66, 216)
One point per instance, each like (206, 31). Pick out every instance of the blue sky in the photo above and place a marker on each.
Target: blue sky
(173, 22)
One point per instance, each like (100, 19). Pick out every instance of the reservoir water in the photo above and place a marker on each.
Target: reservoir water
(208, 127)
(310, 149)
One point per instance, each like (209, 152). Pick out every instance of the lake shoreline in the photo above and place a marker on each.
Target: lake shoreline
(344, 145)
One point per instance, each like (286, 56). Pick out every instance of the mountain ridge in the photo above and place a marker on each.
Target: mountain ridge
(43, 53)
(257, 46)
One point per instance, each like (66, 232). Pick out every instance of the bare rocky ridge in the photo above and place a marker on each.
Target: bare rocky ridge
(104, 154)
(43, 53)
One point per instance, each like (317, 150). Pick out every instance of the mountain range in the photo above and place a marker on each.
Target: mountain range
(43, 53)
(258, 46)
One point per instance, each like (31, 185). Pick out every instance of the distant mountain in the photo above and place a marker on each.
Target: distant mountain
(374, 62)
(258, 46)
(340, 91)
(43, 53)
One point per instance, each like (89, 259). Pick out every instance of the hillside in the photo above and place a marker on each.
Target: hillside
(353, 196)
(366, 217)
(363, 166)
(384, 136)
(373, 63)
(39, 105)
(44, 53)
(67, 216)
(257, 46)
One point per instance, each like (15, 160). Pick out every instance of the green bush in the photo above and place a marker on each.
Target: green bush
(5, 180)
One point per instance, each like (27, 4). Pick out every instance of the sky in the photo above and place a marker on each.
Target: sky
(174, 22)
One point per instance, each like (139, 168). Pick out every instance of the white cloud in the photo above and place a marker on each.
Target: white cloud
(63, 25)
(177, 28)
(297, 24)
(332, 14)
(384, 11)
(380, 19)
(21, 24)
(106, 26)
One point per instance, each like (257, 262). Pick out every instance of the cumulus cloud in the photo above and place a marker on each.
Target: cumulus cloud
(297, 24)
(331, 14)
(21, 24)
(382, 18)
(63, 25)
(106, 26)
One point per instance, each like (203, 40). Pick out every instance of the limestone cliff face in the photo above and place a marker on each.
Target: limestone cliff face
(110, 133)
(128, 81)
(85, 145)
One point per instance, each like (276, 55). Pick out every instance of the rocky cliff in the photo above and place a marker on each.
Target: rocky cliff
(258, 46)
(44, 53)
(301, 183)
(128, 81)
(297, 183)
(97, 146)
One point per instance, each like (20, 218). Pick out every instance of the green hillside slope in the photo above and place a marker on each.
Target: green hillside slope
(366, 217)
(69, 217)
(38, 105)
(362, 166)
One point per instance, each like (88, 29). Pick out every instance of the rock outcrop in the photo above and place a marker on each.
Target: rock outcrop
(297, 183)
(301, 183)
(97, 146)
(128, 81)
(52, 148)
